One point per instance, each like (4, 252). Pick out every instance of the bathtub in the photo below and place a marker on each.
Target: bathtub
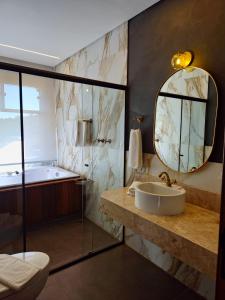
(35, 175)
(51, 193)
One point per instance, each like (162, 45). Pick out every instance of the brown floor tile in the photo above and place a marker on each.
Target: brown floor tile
(118, 274)
(189, 295)
(68, 240)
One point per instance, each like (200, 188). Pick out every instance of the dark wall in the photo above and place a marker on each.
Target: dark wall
(154, 36)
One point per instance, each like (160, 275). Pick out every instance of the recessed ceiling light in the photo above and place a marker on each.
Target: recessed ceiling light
(30, 51)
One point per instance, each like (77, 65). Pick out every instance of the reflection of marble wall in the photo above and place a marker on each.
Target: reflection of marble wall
(180, 133)
(107, 111)
(167, 130)
(202, 180)
(107, 159)
(105, 60)
(184, 273)
(191, 82)
(192, 135)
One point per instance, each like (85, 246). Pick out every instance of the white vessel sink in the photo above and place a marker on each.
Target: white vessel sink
(157, 198)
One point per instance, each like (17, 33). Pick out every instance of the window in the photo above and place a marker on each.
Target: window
(30, 98)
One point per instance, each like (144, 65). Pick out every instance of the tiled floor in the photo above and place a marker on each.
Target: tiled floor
(118, 274)
(68, 240)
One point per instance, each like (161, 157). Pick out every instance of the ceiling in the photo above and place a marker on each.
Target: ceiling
(59, 27)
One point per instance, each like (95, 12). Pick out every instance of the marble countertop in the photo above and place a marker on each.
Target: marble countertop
(191, 237)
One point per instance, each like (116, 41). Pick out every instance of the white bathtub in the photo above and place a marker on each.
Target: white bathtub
(33, 175)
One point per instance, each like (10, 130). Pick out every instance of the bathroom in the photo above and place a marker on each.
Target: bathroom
(64, 153)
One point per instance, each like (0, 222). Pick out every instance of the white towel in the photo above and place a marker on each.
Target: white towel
(86, 133)
(135, 149)
(83, 133)
(14, 272)
(69, 132)
(132, 188)
(77, 133)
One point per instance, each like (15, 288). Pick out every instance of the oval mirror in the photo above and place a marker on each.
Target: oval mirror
(185, 119)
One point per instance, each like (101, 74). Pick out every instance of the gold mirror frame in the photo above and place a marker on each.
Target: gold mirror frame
(214, 131)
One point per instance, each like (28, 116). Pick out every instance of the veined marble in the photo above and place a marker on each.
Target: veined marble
(202, 184)
(105, 59)
(167, 130)
(182, 138)
(102, 164)
(180, 133)
(192, 278)
(202, 189)
(192, 135)
(191, 82)
(107, 159)
(186, 236)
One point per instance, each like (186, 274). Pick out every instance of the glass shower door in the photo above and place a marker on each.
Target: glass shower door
(53, 164)
(11, 191)
(65, 170)
(108, 115)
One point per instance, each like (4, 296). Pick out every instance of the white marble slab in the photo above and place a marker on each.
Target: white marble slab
(102, 164)
(191, 82)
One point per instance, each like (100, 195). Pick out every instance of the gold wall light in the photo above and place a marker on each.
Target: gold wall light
(181, 60)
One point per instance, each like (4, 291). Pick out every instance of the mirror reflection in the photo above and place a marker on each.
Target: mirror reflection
(185, 119)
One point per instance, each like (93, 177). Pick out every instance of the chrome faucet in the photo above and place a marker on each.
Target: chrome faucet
(13, 172)
(164, 176)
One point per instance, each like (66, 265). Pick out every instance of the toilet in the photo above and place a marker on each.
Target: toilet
(32, 288)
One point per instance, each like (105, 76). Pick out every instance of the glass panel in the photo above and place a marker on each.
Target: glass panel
(11, 198)
(45, 203)
(197, 135)
(194, 107)
(67, 169)
(192, 135)
(108, 161)
(53, 159)
(167, 130)
(39, 120)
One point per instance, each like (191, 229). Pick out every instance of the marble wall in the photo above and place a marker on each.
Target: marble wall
(167, 130)
(201, 283)
(107, 161)
(192, 82)
(180, 133)
(207, 187)
(105, 59)
(101, 163)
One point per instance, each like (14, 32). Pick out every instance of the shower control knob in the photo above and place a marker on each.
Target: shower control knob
(100, 140)
(108, 141)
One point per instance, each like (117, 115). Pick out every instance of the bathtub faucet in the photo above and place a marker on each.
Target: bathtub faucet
(54, 163)
(13, 172)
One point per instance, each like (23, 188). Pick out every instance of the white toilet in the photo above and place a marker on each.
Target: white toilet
(32, 289)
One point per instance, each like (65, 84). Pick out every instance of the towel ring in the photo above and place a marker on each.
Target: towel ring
(87, 121)
(139, 120)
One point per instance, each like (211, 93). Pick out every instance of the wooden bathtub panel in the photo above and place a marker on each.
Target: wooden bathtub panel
(11, 201)
(69, 198)
(44, 201)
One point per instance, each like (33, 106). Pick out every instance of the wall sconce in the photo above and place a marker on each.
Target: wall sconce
(181, 60)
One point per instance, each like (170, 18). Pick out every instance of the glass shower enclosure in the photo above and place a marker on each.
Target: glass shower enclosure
(61, 146)
(11, 165)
